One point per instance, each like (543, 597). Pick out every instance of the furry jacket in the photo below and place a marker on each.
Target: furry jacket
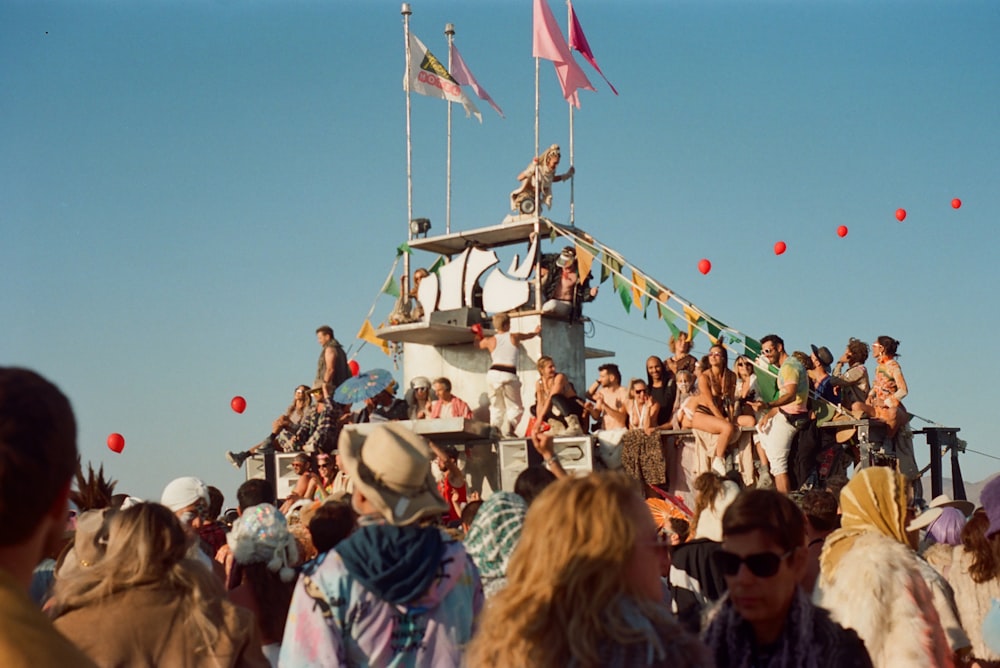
(878, 589)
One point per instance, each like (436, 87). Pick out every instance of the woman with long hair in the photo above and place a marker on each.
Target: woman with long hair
(641, 449)
(718, 382)
(147, 604)
(681, 359)
(887, 393)
(850, 377)
(696, 412)
(301, 406)
(582, 590)
(326, 473)
(974, 575)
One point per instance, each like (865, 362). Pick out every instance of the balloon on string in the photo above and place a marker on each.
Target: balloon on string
(780, 248)
(238, 404)
(900, 214)
(116, 442)
(842, 231)
(956, 203)
(704, 266)
(354, 367)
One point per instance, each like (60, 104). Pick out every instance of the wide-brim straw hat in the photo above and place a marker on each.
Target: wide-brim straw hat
(391, 467)
(924, 519)
(945, 501)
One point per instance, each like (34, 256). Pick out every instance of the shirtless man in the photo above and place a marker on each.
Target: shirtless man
(555, 398)
(305, 487)
(610, 398)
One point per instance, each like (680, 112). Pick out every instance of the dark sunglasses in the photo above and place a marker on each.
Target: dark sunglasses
(763, 565)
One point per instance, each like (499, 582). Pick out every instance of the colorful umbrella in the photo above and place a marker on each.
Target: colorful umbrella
(663, 510)
(363, 386)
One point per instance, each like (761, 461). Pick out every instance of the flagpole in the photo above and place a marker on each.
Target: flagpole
(572, 179)
(406, 12)
(449, 30)
(538, 202)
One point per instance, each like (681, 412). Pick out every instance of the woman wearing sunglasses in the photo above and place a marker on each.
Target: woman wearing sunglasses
(642, 452)
(766, 619)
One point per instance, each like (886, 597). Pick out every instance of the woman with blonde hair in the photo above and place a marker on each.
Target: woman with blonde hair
(582, 590)
(147, 604)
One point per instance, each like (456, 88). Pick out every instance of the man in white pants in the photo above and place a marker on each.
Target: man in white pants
(506, 407)
(787, 413)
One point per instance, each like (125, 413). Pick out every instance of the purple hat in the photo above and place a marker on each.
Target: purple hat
(990, 500)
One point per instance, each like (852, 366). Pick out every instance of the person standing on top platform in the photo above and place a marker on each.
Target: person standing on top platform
(332, 369)
(506, 407)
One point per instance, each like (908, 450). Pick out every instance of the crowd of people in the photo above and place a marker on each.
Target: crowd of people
(403, 571)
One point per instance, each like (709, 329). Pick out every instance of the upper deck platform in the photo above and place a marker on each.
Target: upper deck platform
(515, 229)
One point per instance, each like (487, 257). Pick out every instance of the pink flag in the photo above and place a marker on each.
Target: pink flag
(578, 41)
(548, 43)
(463, 75)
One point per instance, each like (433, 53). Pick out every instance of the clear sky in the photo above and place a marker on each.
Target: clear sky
(188, 189)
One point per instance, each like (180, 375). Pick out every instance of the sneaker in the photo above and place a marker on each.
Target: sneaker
(719, 466)
(237, 458)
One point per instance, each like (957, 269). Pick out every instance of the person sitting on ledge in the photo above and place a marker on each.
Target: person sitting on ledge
(447, 405)
(562, 289)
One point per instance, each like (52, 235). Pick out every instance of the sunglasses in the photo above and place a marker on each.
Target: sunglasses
(640, 391)
(763, 564)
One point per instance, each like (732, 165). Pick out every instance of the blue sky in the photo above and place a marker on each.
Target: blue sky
(188, 189)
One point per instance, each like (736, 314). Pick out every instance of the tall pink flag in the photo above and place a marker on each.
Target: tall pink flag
(548, 43)
(463, 75)
(578, 41)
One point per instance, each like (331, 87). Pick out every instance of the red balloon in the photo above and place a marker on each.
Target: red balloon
(842, 231)
(900, 214)
(116, 442)
(355, 367)
(238, 404)
(780, 248)
(956, 203)
(704, 266)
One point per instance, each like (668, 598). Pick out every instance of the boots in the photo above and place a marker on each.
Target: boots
(237, 458)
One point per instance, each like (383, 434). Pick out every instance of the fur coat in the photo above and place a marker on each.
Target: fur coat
(878, 590)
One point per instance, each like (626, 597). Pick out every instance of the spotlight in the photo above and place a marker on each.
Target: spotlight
(419, 226)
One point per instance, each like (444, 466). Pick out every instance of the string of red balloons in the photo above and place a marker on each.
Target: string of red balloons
(705, 265)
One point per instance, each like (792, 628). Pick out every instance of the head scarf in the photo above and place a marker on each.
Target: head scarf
(874, 501)
(947, 528)
(494, 534)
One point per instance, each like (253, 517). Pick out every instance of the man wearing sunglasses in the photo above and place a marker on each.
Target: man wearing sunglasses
(765, 616)
(787, 414)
